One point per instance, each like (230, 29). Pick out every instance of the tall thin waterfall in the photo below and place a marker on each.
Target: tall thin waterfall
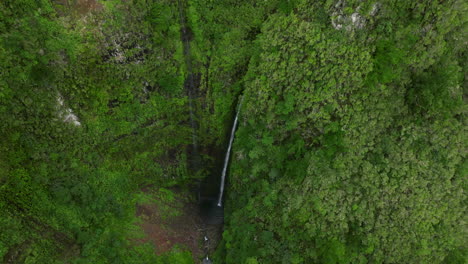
(228, 153)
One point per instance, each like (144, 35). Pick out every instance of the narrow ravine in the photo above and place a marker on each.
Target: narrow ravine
(207, 230)
(189, 83)
(211, 206)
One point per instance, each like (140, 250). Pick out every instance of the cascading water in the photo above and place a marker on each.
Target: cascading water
(228, 153)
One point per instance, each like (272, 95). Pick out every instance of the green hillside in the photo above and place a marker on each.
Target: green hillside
(351, 144)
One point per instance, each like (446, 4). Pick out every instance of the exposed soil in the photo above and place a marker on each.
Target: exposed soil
(81, 6)
(168, 225)
(177, 222)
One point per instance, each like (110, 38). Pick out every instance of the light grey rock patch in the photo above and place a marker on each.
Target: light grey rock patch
(65, 113)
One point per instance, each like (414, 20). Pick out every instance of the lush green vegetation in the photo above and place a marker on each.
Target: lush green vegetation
(353, 142)
(351, 146)
(68, 192)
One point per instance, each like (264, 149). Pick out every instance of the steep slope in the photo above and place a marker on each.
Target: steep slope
(352, 143)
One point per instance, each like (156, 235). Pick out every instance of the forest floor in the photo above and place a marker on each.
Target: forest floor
(175, 222)
(172, 219)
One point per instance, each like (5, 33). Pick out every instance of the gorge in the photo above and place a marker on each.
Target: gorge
(237, 132)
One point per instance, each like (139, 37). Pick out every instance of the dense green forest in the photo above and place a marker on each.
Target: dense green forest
(351, 145)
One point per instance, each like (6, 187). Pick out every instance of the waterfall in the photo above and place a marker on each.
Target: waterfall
(228, 153)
